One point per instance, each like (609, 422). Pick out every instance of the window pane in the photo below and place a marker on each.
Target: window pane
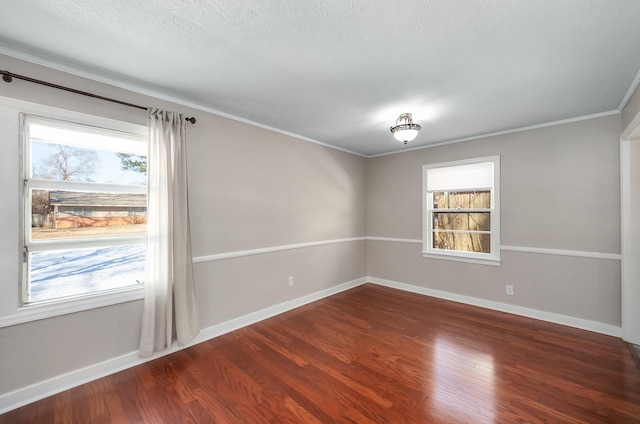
(60, 214)
(462, 221)
(77, 219)
(461, 209)
(463, 242)
(63, 273)
(64, 162)
(462, 199)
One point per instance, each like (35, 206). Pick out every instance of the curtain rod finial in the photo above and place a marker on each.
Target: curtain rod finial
(191, 119)
(6, 76)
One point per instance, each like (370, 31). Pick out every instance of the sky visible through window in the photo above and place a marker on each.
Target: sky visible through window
(107, 168)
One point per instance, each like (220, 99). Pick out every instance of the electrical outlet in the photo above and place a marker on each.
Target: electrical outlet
(509, 290)
(290, 281)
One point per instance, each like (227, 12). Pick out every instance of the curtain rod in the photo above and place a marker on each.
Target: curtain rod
(8, 77)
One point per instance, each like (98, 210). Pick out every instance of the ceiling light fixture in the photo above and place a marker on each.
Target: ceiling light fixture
(405, 130)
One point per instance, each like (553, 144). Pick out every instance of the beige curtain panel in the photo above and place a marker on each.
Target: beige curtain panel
(170, 308)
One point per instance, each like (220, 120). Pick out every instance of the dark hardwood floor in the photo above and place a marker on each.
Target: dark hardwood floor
(370, 355)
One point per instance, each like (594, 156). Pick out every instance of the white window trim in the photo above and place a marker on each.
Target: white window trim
(69, 305)
(10, 311)
(428, 251)
(17, 314)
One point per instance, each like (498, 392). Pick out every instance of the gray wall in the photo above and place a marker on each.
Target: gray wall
(560, 190)
(250, 188)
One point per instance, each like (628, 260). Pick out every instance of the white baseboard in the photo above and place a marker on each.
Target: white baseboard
(596, 327)
(23, 396)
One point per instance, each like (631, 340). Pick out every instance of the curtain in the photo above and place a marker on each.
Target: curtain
(170, 308)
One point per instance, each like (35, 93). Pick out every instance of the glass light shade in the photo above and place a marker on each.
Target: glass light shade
(405, 135)
(405, 130)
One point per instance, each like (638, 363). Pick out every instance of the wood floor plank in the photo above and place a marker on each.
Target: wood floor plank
(370, 355)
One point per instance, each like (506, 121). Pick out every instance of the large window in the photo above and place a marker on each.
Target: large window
(462, 210)
(84, 210)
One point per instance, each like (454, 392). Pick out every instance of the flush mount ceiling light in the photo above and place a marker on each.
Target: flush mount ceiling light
(405, 130)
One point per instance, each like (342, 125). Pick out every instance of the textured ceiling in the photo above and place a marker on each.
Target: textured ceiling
(340, 72)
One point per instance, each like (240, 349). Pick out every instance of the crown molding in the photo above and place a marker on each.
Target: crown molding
(157, 92)
(151, 91)
(630, 91)
(494, 134)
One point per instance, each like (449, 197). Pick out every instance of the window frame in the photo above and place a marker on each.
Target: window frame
(28, 311)
(428, 251)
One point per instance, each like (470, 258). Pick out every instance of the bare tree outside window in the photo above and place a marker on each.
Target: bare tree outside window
(460, 221)
(68, 163)
(72, 213)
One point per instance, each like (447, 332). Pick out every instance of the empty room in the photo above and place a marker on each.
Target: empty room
(320, 212)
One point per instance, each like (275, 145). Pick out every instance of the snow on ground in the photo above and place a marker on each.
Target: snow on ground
(63, 273)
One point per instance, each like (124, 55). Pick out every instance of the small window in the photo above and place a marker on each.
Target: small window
(84, 204)
(462, 210)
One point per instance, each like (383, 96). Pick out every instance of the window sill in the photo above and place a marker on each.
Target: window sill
(463, 258)
(44, 310)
